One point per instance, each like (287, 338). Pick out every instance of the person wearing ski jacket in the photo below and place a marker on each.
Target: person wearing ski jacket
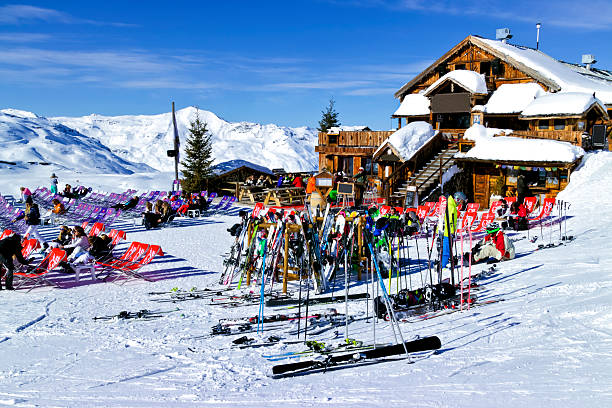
(32, 220)
(298, 182)
(25, 193)
(53, 188)
(494, 245)
(10, 247)
(311, 185)
(518, 217)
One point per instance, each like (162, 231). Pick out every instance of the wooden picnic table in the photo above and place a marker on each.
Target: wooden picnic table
(253, 193)
(287, 195)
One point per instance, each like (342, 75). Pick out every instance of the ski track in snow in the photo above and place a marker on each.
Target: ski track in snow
(548, 343)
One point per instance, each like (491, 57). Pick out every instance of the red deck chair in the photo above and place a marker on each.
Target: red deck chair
(422, 211)
(29, 246)
(97, 228)
(472, 206)
(384, 210)
(485, 220)
(131, 270)
(547, 207)
(119, 236)
(84, 225)
(530, 203)
(131, 255)
(400, 210)
(494, 206)
(5, 233)
(468, 220)
(510, 200)
(37, 275)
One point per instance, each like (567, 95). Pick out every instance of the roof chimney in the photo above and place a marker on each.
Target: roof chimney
(538, 26)
(588, 59)
(503, 34)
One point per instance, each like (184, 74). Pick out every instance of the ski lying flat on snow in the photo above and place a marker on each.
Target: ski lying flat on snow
(316, 301)
(414, 346)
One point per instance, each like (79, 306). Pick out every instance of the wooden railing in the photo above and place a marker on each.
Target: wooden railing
(353, 139)
(572, 136)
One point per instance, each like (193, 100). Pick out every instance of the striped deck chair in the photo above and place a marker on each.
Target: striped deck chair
(468, 220)
(37, 275)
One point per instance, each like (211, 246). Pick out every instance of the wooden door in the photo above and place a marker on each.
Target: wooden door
(481, 189)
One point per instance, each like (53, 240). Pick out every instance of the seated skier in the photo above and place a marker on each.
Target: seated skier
(494, 245)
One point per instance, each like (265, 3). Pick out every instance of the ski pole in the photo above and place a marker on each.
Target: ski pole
(461, 285)
(470, 271)
(346, 289)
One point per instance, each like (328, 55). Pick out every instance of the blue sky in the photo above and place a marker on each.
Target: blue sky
(267, 61)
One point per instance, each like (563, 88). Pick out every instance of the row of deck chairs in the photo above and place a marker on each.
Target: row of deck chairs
(76, 210)
(8, 213)
(119, 268)
(466, 219)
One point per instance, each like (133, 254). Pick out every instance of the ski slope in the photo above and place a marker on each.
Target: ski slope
(547, 344)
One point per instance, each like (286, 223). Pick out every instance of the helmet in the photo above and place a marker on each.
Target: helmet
(459, 196)
(492, 228)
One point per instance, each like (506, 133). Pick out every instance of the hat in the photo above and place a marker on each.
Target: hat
(361, 168)
(53, 175)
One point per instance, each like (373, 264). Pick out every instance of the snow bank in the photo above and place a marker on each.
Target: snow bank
(512, 98)
(470, 80)
(409, 139)
(413, 105)
(336, 129)
(565, 103)
(506, 148)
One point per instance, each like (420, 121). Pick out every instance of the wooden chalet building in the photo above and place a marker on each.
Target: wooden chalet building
(514, 92)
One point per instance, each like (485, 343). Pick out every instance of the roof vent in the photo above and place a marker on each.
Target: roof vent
(503, 34)
(588, 59)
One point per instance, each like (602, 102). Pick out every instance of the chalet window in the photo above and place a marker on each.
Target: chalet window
(459, 66)
(332, 139)
(497, 68)
(559, 124)
(543, 124)
(485, 67)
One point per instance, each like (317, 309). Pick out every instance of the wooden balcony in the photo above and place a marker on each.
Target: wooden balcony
(370, 139)
(571, 136)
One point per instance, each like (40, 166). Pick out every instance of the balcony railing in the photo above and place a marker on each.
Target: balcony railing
(354, 139)
(572, 136)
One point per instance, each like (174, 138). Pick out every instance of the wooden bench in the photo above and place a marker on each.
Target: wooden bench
(288, 195)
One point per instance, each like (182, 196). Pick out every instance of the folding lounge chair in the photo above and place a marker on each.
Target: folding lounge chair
(38, 274)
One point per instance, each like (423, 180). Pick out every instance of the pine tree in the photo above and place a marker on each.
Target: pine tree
(329, 118)
(197, 165)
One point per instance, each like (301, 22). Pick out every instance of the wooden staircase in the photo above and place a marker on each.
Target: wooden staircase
(428, 175)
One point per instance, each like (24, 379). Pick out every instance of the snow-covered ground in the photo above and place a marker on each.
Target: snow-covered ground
(547, 344)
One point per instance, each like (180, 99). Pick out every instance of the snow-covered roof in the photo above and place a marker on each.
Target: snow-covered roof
(230, 165)
(514, 149)
(408, 140)
(336, 129)
(558, 75)
(413, 105)
(563, 104)
(512, 98)
(470, 80)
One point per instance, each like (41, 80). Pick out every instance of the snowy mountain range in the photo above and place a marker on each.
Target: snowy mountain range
(128, 144)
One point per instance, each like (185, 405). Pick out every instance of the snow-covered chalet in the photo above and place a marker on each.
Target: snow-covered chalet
(489, 110)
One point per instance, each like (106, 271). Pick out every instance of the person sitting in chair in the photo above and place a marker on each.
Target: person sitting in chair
(494, 245)
(131, 203)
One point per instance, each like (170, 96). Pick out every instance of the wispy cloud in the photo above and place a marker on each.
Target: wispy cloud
(24, 37)
(562, 13)
(16, 14)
